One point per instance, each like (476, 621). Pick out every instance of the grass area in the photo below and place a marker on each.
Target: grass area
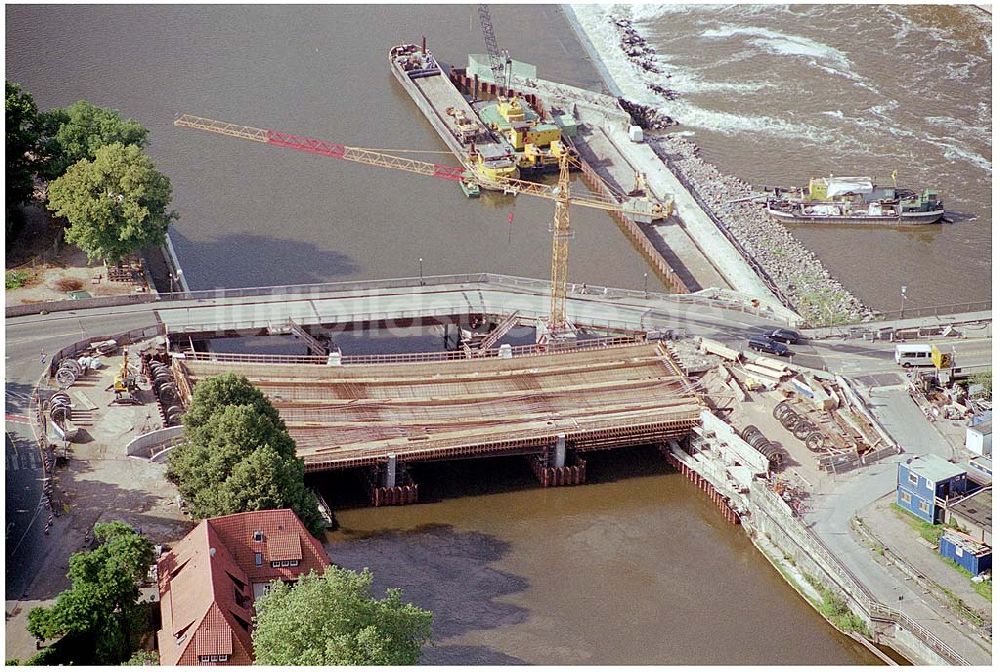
(16, 279)
(984, 588)
(929, 532)
(819, 308)
(835, 609)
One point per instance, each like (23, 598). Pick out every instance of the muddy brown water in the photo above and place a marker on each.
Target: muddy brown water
(635, 567)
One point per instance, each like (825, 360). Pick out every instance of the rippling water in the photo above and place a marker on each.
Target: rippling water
(779, 94)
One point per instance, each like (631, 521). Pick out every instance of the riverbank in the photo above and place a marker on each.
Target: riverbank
(797, 272)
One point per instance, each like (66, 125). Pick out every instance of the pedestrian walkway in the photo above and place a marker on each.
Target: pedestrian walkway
(893, 531)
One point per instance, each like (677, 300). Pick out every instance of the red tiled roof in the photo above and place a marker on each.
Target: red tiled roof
(284, 547)
(276, 525)
(214, 636)
(200, 580)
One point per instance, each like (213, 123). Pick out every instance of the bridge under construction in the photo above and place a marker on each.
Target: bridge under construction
(551, 405)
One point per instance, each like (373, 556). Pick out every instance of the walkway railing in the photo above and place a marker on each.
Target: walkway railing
(941, 310)
(412, 357)
(712, 298)
(857, 591)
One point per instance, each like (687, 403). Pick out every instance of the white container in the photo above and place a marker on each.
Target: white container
(635, 134)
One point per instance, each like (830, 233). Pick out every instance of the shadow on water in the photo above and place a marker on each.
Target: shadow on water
(255, 261)
(446, 571)
(453, 479)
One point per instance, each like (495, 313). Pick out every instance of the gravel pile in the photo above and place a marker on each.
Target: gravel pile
(796, 271)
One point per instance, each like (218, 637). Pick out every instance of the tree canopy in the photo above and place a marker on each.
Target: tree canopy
(237, 456)
(22, 144)
(101, 606)
(83, 128)
(115, 204)
(213, 394)
(334, 620)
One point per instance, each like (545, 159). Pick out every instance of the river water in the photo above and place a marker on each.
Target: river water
(637, 566)
(838, 89)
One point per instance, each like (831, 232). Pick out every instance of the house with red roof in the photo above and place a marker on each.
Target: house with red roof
(209, 581)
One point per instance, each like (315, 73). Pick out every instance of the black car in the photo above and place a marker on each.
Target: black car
(765, 344)
(785, 336)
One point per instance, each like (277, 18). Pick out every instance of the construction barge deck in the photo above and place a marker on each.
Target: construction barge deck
(594, 397)
(449, 113)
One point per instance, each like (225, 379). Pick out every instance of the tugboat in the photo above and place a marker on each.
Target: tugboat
(854, 200)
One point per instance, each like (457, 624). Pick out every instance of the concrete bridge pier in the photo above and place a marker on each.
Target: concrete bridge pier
(550, 467)
(391, 485)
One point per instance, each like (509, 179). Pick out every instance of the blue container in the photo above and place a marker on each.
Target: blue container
(974, 558)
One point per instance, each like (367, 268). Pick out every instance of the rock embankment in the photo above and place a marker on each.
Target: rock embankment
(640, 53)
(796, 271)
(646, 117)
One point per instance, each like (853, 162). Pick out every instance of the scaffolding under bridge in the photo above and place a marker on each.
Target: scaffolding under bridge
(596, 397)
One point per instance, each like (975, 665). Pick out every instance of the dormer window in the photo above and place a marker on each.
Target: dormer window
(258, 536)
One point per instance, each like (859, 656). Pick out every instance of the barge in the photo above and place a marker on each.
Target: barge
(854, 200)
(451, 115)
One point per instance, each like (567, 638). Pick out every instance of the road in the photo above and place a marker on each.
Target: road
(26, 339)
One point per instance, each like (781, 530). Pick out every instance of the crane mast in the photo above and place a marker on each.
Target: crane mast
(561, 234)
(499, 61)
(561, 194)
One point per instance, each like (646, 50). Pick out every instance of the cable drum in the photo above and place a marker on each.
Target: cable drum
(762, 445)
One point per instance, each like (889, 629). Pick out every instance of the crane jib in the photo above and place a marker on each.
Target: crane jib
(449, 172)
(305, 144)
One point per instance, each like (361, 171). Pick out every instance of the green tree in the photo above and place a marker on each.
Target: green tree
(213, 394)
(143, 657)
(333, 620)
(83, 128)
(101, 606)
(21, 147)
(115, 204)
(984, 378)
(237, 456)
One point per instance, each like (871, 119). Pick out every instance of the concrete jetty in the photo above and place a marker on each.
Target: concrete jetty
(691, 236)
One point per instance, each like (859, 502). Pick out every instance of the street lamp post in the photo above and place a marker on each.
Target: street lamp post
(421, 260)
(902, 299)
(645, 284)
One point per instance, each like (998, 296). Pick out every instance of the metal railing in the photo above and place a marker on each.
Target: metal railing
(879, 319)
(412, 357)
(733, 302)
(858, 592)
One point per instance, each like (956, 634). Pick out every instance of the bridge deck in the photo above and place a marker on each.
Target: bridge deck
(350, 416)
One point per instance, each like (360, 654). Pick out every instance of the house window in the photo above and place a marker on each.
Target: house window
(925, 507)
(293, 563)
(914, 479)
(221, 658)
(905, 497)
(284, 563)
(258, 559)
(275, 563)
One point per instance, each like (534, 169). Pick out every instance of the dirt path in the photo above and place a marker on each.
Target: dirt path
(52, 271)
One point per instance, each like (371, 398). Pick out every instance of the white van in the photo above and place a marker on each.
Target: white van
(913, 355)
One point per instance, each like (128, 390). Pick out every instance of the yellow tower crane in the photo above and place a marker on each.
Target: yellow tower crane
(561, 193)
